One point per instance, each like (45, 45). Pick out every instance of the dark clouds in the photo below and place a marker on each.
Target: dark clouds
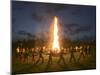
(53, 9)
(85, 28)
(76, 28)
(37, 17)
(25, 33)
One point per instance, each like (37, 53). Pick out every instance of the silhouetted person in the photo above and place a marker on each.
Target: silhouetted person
(72, 57)
(82, 53)
(61, 58)
(50, 58)
(18, 53)
(33, 55)
(40, 56)
(85, 51)
(88, 50)
(27, 55)
(21, 53)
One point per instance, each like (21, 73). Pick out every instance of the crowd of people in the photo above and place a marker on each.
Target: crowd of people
(36, 55)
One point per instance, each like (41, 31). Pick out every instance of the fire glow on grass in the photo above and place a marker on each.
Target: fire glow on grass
(56, 47)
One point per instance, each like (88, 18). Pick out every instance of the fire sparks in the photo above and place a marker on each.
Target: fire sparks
(55, 36)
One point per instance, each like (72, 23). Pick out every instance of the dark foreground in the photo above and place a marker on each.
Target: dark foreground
(39, 66)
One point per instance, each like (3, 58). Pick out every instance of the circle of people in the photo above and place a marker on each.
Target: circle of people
(29, 54)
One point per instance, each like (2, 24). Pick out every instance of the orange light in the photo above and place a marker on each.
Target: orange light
(55, 36)
(18, 50)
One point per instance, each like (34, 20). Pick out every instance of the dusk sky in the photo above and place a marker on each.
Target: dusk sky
(31, 18)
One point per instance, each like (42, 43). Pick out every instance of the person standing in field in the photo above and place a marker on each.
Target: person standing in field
(82, 53)
(27, 55)
(41, 58)
(72, 56)
(33, 55)
(61, 58)
(17, 50)
(50, 57)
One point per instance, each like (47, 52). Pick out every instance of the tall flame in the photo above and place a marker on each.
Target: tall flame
(56, 37)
